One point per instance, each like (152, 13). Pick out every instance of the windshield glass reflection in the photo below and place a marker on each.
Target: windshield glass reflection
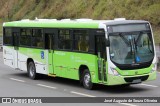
(131, 48)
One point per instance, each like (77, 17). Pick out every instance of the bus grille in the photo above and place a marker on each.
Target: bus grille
(130, 79)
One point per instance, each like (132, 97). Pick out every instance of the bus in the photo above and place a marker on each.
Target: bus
(107, 52)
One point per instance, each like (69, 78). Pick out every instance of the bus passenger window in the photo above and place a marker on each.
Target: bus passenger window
(64, 39)
(7, 36)
(37, 38)
(81, 40)
(25, 37)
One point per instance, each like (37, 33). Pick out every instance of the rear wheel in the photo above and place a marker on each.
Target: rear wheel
(32, 71)
(86, 79)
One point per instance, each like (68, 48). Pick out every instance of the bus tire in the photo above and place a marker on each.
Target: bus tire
(86, 79)
(32, 71)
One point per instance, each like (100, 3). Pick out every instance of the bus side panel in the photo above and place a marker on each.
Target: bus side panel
(61, 62)
(88, 60)
(67, 64)
(39, 57)
(22, 59)
(8, 56)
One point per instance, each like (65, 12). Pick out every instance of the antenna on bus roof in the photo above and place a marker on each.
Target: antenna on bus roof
(84, 19)
(37, 19)
(25, 20)
(66, 19)
(119, 19)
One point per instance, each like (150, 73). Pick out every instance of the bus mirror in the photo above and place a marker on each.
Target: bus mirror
(107, 43)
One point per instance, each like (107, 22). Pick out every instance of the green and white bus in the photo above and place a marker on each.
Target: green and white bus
(108, 52)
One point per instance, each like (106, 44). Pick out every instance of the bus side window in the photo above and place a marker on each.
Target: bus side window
(25, 37)
(64, 39)
(7, 36)
(37, 38)
(81, 40)
(83, 44)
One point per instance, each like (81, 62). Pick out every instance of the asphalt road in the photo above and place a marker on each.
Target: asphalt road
(15, 83)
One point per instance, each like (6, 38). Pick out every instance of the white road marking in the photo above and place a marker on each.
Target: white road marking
(17, 80)
(127, 104)
(148, 85)
(46, 86)
(78, 93)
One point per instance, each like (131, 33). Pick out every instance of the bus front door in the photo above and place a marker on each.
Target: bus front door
(49, 39)
(101, 54)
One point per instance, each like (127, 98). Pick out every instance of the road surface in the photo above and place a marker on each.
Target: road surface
(15, 83)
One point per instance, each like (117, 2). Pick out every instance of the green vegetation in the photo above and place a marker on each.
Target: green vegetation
(96, 9)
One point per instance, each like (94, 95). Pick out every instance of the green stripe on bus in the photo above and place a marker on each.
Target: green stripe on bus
(53, 24)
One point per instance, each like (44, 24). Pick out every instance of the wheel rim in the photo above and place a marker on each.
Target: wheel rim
(87, 79)
(31, 70)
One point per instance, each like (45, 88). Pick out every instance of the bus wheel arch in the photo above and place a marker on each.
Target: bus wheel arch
(31, 69)
(83, 74)
(81, 70)
(29, 60)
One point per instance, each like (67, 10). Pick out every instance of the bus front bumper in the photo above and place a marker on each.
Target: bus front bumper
(118, 80)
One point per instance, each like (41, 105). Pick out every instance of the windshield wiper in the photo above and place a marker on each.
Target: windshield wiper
(139, 37)
(135, 44)
(128, 43)
(124, 39)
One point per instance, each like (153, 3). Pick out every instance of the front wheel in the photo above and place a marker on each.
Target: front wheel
(32, 71)
(87, 83)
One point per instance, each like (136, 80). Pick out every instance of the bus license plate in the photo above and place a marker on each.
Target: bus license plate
(136, 81)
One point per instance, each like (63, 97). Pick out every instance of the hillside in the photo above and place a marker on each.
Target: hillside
(96, 9)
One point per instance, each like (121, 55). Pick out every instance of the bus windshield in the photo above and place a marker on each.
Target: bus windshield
(131, 47)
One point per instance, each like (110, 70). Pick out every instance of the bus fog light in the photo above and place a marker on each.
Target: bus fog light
(152, 71)
(153, 68)
(114, 71)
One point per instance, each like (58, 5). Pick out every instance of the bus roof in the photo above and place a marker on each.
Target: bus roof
(53, 23)
(67, 23)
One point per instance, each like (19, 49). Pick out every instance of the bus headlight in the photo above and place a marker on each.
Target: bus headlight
(114, 71)
(154, 68)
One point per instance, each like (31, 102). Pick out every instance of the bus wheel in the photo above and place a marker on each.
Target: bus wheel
(32, 70)
(87, 79)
